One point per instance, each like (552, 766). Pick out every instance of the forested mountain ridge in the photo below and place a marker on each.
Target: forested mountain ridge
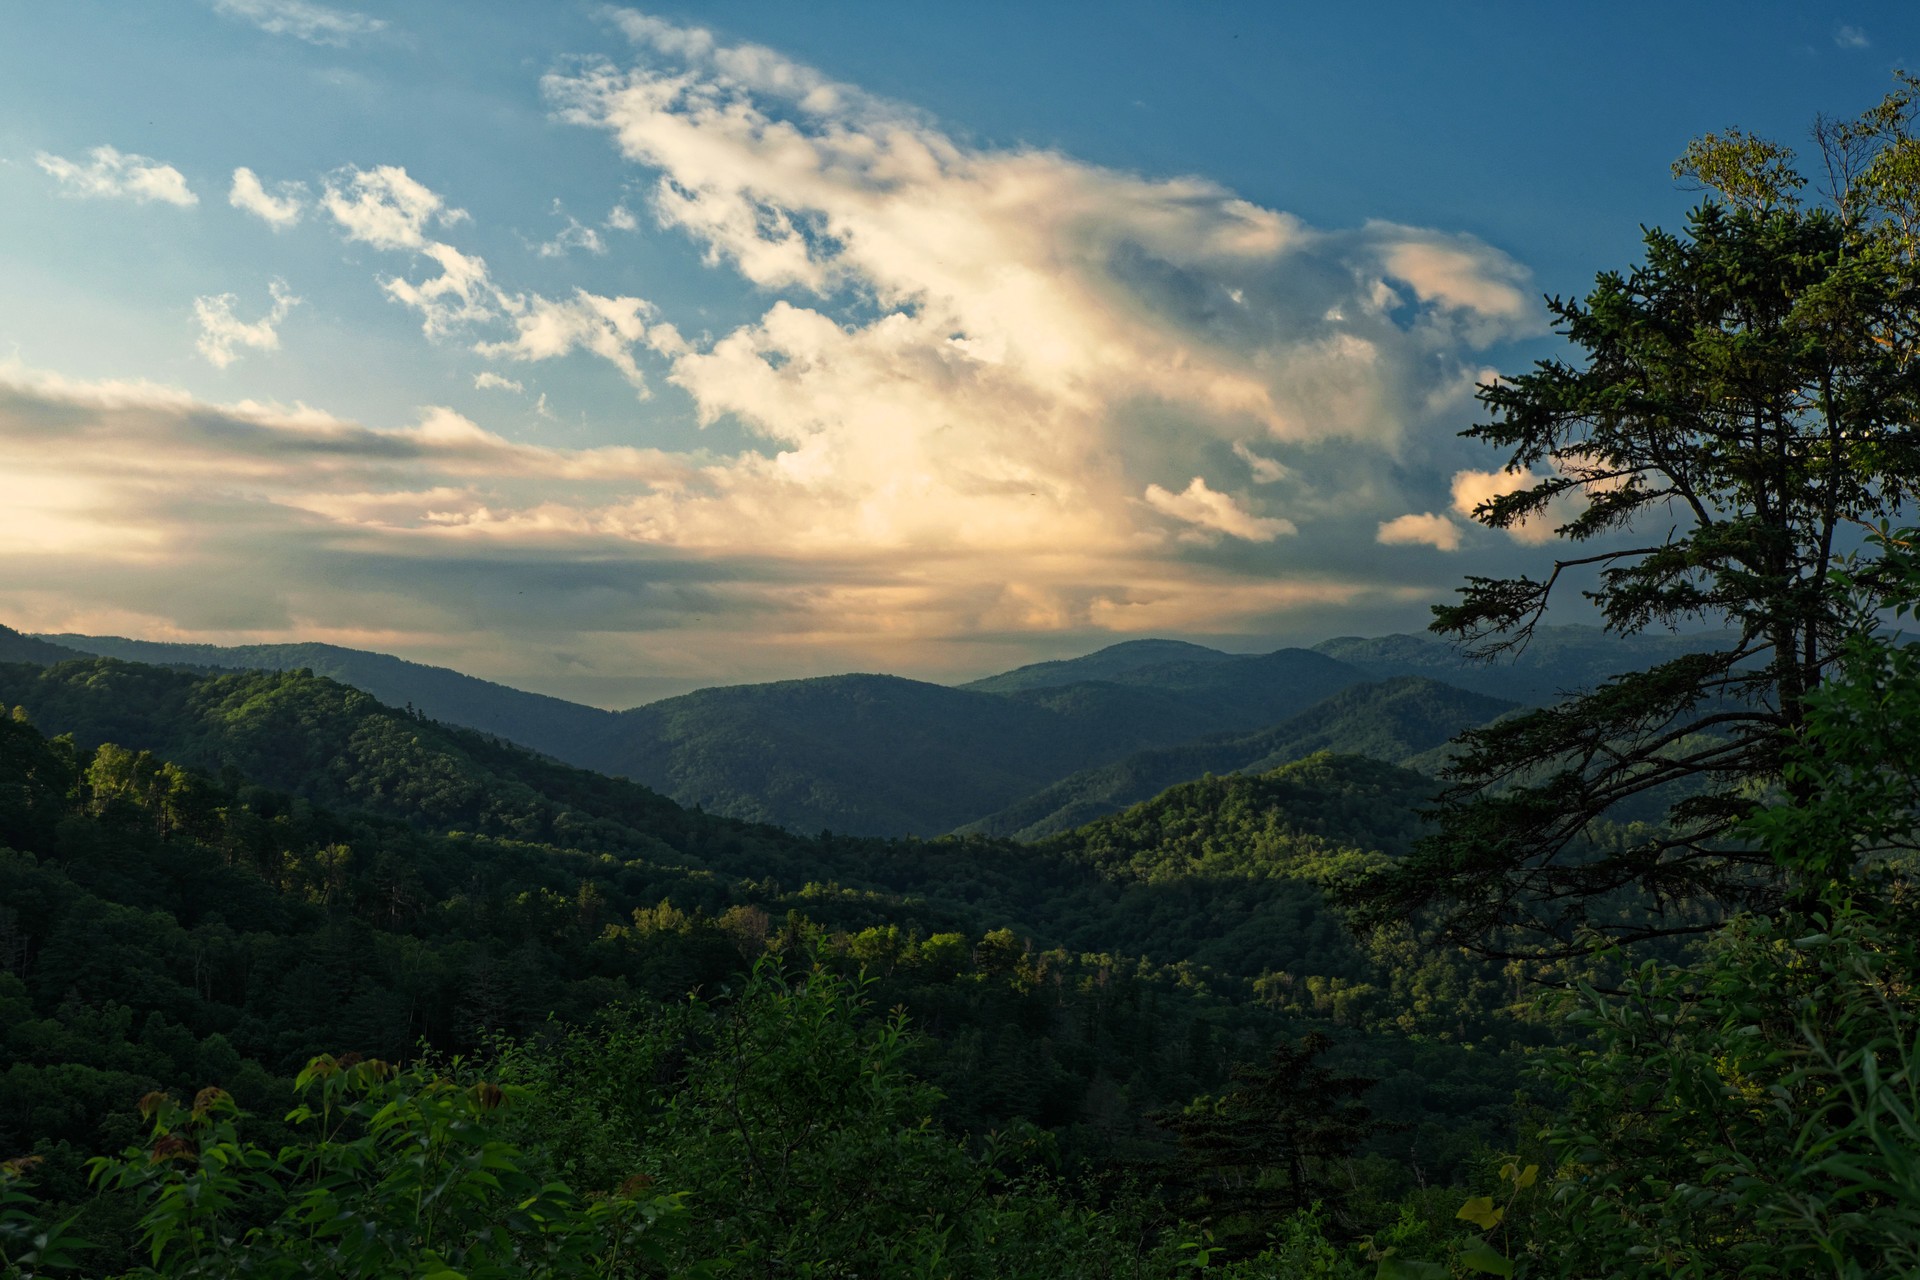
(554, 726)
(1032, 751)
(336, 748)
(879, 755)
(334, 745)
(1556, 660)
(15, 647)
(1125, 658)
(167, 927)
(1394, 721)
(876, 755)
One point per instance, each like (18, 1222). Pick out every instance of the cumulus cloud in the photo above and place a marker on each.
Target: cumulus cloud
(222, 333)
(575, 235)
(608, 327)
(314, 23)
(1216, 512)
(113, 174)
(1851, 37)
(279, 209)
(981, 347)
(386, 207)
(488, 380)
(989, 392)
(1424, 529)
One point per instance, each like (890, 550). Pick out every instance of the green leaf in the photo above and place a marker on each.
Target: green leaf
(1478, 1255)
(1481, 1212)
(1392, 1268)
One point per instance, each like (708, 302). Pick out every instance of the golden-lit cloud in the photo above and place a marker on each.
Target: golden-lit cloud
(983, 394)
(1420, 529)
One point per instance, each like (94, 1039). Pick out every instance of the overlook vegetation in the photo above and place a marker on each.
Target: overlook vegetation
(295, 982)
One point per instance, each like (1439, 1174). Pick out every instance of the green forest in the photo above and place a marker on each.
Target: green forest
(1395, 979)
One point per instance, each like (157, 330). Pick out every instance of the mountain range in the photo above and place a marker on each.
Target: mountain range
(1027, 753)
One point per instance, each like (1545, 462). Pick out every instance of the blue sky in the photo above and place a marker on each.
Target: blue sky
(613, 352)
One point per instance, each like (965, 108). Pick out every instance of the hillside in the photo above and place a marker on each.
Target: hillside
(409, 879)
(879, 755)
(1110, 663)
(864, 754)
(338, 747)
(1559, 659)
(1237, 690)
(551, 725)
(15, 647)
(875, 754)
(1028, 752)
(1394, 721)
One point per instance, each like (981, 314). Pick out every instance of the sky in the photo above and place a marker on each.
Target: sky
(613, 352)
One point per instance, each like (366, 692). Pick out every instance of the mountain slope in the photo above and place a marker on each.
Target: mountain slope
(1558, 661)
(551, 725)
(1237, 690)
(1392, 721)
(872, 754)
(336, 746)
(880, 755)
(1229, 870)
(1104, 664)
(15, 647)
(862, 754)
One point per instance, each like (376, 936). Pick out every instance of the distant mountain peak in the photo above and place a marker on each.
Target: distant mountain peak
(1120, 659)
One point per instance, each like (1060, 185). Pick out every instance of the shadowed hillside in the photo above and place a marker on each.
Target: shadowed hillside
(1393, 721)
(1558, 660)
(15, 647)
(552, 725)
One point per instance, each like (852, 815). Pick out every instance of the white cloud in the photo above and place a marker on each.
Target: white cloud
(575, 235)
(1001, 351)
(462, 294)
(1425, 529)
(620, 218)
(314, 23)
(1265, 470)
(385, 206)
(488, 380)
(608, 327)
(1851, 37)
(997, 391)
(1216, 512)
(280, 211)
(113, 174)
(222, 333)
(1456, 274)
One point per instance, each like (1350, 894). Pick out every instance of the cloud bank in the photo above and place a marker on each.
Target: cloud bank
(989, 393)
